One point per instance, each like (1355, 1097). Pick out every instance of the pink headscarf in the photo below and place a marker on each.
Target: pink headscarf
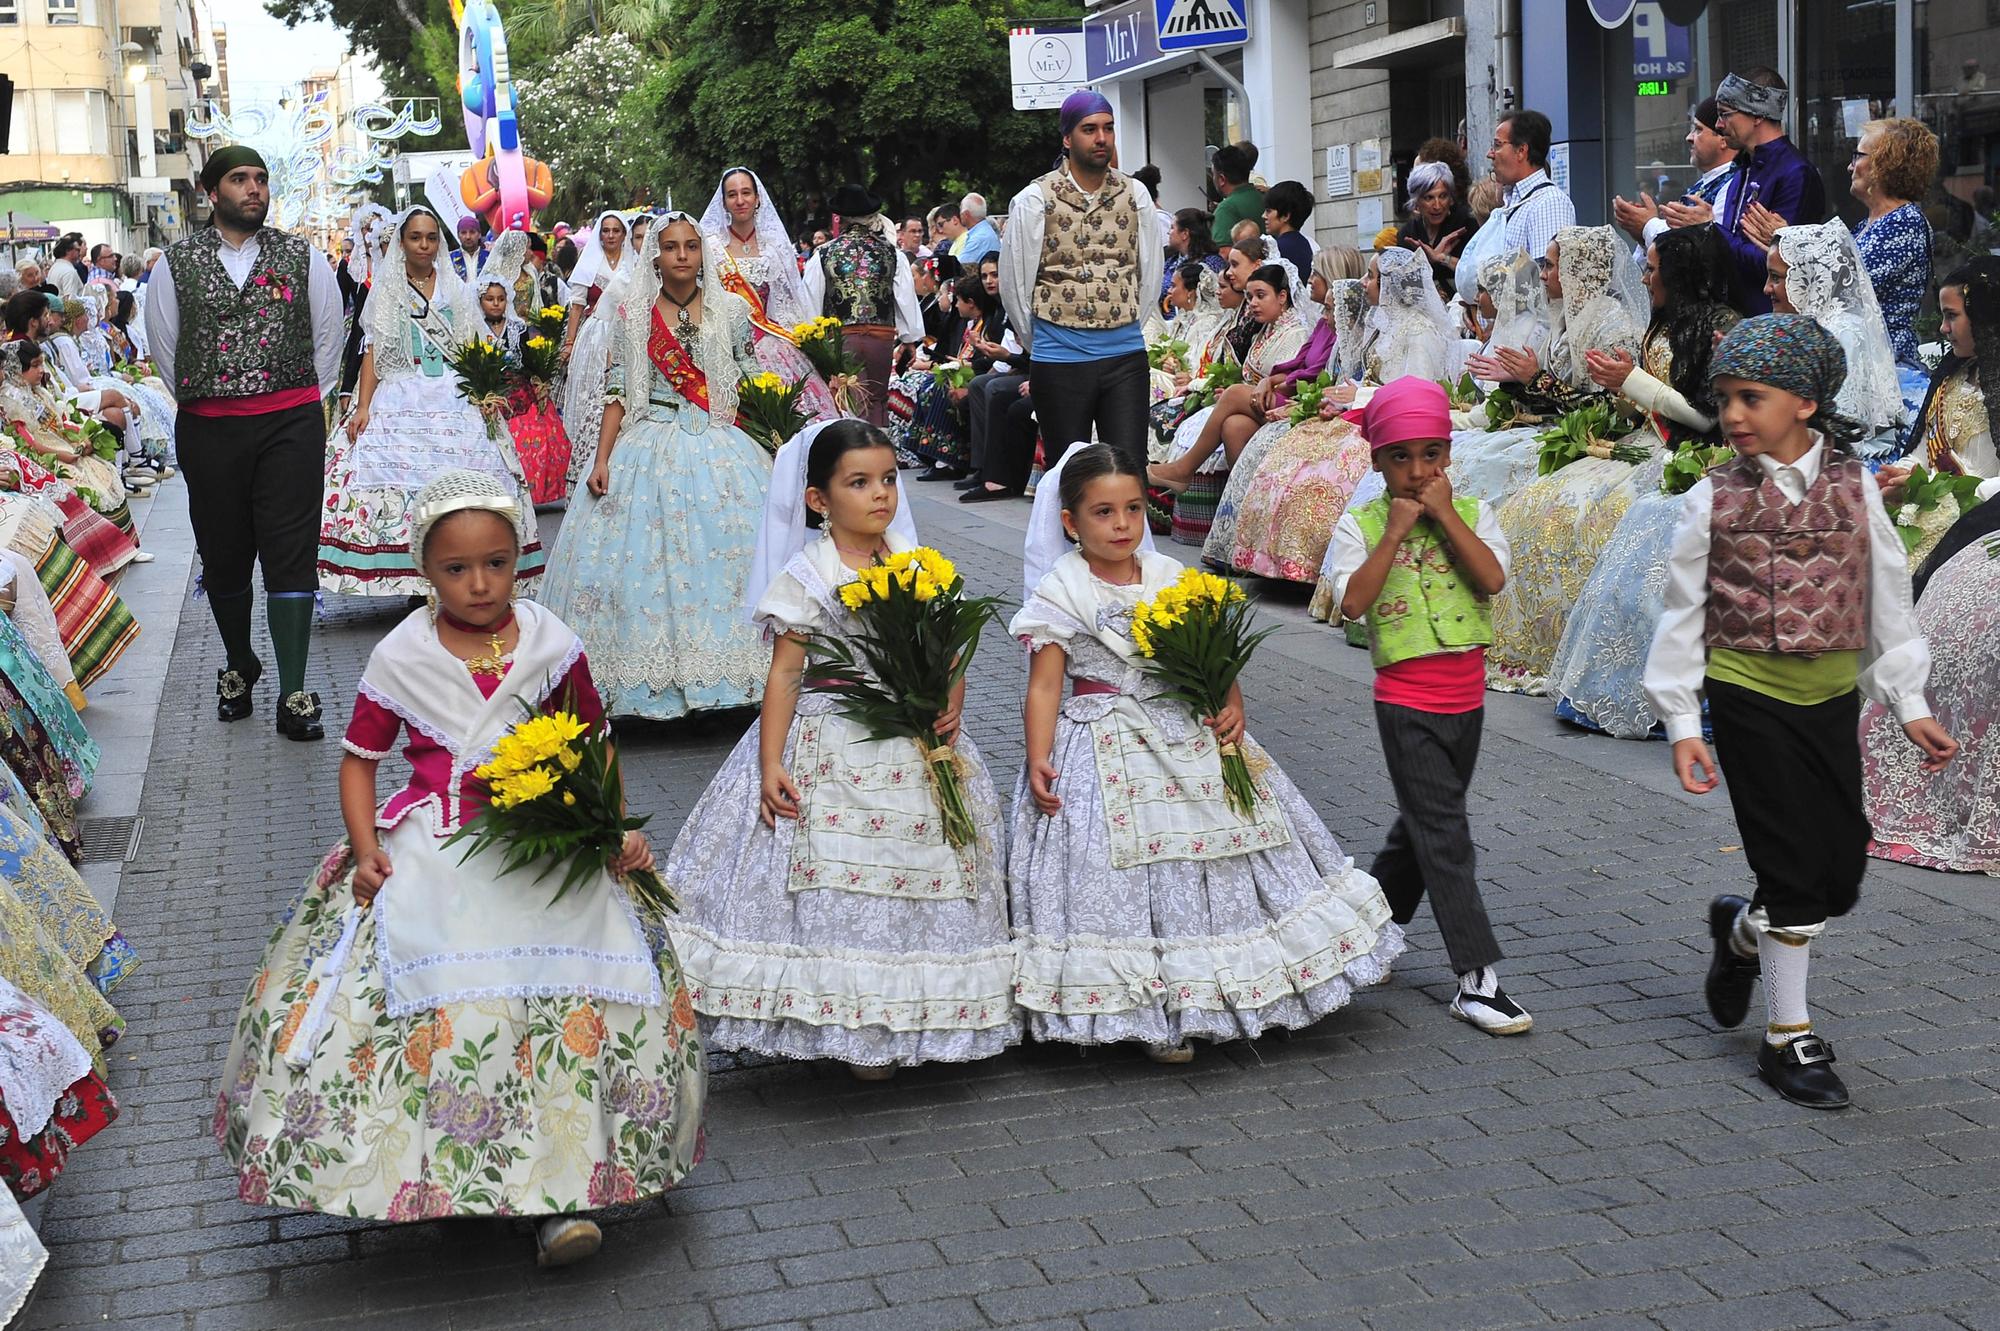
(1402, 410)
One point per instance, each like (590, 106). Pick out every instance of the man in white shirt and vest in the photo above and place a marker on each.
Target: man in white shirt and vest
(1080, 263)
(244, 322)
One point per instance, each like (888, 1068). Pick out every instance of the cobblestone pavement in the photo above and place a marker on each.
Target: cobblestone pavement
(1620, 1167)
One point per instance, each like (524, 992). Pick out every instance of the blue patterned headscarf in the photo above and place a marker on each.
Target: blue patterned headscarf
(1791, 352)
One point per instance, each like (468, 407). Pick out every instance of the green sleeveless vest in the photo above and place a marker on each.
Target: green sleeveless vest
(1425, 606)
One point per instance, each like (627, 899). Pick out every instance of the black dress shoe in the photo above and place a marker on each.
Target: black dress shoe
(1801, 1070)
(232, 692)
(982, 495)
(298, 717)
(1730, 977)
(967, 483)
(939, 473)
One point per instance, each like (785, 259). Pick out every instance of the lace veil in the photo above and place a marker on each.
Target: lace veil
(1827, 281)
(1604, 302)
(1349, 303)
(1520, 306)
(393, 304)
(1047, 541)
(1413, 335)
(723, 314)
(503, 265)
(365, 229)
(788, 296)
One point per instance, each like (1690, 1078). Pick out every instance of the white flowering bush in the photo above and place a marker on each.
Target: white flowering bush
(571, 118)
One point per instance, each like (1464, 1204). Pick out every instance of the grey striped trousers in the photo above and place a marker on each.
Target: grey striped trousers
(1431, 756)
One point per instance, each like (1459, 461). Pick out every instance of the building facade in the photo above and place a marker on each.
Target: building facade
(103, 92)
(1340, 94)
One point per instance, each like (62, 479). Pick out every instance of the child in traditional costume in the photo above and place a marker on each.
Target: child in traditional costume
(1147, 906)
(823, 913)
(1419, 568)
(429, 1036)
(1788, 594)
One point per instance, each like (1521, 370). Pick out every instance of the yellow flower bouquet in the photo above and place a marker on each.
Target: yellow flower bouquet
(822, 343)
(1194, 637)
(768, 409)
(549, 321)
(540, 359)
(919, 630)
(554, 794)
(483, 371)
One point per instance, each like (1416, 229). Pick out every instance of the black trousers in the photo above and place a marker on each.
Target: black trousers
(1010, 447)
(1431, 756)
(1110, 395)
(1794, 776)
(986, 400)
(254, 488)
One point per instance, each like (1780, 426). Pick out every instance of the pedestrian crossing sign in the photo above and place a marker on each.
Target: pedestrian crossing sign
(1188, 24)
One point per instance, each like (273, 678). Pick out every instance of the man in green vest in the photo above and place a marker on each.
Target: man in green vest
(244, 322)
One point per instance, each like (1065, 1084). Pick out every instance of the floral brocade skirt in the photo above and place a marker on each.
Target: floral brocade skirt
(498, 1106)
(543, 445)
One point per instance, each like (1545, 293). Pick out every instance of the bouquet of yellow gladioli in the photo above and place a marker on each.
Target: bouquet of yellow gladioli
(483, 370)
(768, 409)
(540, 359)
(919, 630)
(549, 321)
(825, 346)
(554, 794)
(1194, 636)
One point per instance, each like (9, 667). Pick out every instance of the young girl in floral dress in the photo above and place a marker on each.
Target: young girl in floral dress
(1171, 915)
(428, 1036)
(823, 914)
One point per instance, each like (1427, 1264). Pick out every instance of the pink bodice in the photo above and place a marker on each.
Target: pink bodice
(373, 730)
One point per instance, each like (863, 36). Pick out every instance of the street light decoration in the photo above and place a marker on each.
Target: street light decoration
(309, 185)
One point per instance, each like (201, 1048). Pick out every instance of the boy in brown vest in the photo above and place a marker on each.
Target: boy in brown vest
(1788, 594)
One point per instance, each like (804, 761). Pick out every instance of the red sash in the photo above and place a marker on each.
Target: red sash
(677, 363)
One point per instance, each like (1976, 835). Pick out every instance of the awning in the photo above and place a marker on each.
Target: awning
(19, 229)
(1412, 48)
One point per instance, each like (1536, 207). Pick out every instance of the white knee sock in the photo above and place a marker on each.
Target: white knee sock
(1783, 960)
(1743, 934)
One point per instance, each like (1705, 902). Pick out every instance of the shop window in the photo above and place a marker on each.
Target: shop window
(1847, 76)
(1958, 96)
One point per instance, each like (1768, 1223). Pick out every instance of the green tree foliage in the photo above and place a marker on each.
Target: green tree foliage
(572, 118)
(414, 42)
(912, 97)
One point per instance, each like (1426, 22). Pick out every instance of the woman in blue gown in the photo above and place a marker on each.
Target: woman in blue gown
(650, 566)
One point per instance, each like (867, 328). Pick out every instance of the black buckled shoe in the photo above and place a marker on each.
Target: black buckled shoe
(1801, 1070)
(1730, 977)
(298, 717)
(232, 692)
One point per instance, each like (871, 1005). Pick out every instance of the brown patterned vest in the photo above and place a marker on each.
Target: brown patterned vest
(1088, 277)
(242, 342)
(1788, 577)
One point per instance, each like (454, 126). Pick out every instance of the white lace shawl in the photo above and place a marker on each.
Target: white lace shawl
(393, 305)
(1827, 281)
(725, 322)
(1412, 333)
(787, 298)
(1604, 304)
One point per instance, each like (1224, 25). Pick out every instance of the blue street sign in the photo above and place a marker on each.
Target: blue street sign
(1659, 48)
(1116, 41)
(1185, 25)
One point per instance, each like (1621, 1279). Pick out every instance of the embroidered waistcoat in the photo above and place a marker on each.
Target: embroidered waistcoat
(240, 343)
(1089, 277)
(1426, 606)
(1786, 577)
(860, 277)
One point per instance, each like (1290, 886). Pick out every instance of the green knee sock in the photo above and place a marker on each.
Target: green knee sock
(232, 620)
(291, 615)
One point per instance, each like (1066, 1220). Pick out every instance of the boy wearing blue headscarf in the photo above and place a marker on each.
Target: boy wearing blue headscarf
(1788, 595)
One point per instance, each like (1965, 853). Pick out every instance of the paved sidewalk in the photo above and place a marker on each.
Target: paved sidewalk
(1391, 1168)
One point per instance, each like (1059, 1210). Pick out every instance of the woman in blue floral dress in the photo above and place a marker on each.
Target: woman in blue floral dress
(1894, 164)
(650, 565)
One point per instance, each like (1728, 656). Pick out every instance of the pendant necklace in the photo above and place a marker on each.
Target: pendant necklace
(685, 327)
(494, 663)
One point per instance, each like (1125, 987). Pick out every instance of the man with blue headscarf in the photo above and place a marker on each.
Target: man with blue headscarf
(1080, 261)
